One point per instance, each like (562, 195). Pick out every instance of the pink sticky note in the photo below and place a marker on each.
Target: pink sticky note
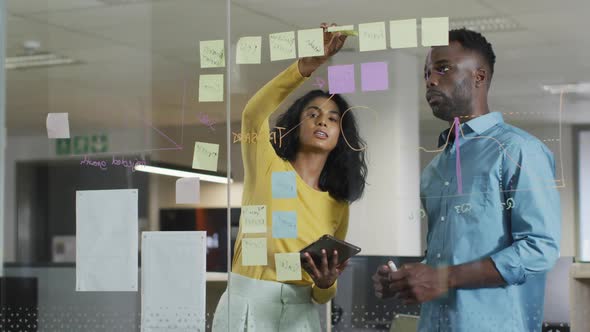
(341, 79)
(374, 76)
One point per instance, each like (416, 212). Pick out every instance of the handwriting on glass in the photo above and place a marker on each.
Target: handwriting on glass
(509, 204)
(420, 212)
(253, 137)
(204, 118)
(463, 208)
(102, 164)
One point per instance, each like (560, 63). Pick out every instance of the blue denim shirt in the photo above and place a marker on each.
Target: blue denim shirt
(507, 208)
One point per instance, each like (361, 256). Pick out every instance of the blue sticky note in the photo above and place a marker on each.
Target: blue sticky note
(283, 185)
(284, 224)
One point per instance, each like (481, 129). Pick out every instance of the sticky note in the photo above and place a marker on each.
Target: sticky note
(205, 156)
(310, 42)
(435, 31)
(284, 224)
(372, 36)
(374, 76)
(254, 219)
(347, 30)
(288, 266)
(282, 46)
(341, 79)
(212, 53)
(107, 240)
(254, 252)
(211, 88)
(58, 125)
(188, 190)
(283, 185)
(403, 33)
(249, 50)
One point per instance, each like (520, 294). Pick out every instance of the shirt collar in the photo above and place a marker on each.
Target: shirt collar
(478, 125)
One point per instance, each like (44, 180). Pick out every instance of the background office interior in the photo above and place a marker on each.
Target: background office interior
(131, 92)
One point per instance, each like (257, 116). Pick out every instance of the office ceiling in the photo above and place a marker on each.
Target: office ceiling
(139, 58)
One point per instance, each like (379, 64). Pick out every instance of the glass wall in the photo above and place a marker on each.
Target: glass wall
(166, 162)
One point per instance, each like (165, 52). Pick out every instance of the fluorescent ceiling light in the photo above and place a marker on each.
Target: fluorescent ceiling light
(582, 88)
(182, 174)
(37, 60)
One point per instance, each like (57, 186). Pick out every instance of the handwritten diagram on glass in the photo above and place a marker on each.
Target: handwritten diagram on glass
(58, 125)
(341, 79)
(205, 156)
(188, 191)
(402, 33)
(310, 42)
(254, 219)
(282, 46)
(288, 266)
(254, 252)
(211, 88)
(374, 76)
(372, 37)
(212, 53)
(284, 185)
(284, 224)
(435, 31)
(106, 240)
(173, 280)
(249, 50)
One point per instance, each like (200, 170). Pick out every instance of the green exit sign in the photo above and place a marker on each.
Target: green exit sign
(79, 145)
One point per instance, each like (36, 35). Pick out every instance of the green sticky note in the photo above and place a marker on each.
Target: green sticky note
(254, 252)
(211, 88)
(402, 33)
(254, 219)
(372, 36)
(282, 46)
(248, 50)
(310, 42)
(435, 31)
(205, 156)
(288, 266)
(212, 53)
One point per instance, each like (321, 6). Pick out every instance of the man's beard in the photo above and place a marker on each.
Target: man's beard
(447, 109)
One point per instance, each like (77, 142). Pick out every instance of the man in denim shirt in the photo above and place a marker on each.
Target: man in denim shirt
(493, 209)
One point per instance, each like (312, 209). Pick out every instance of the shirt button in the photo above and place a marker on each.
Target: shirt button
(442, 218)
(446, 183)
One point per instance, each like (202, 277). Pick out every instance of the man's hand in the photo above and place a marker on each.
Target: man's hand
(382, 281)
(333, 42)
(420, 283)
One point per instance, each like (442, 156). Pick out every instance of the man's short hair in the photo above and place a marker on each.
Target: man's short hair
(475, 41)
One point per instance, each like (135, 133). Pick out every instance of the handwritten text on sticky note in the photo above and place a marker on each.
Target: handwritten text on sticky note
(288, 266)
(372, 36)
(284, 185)
(310, 42)
(254, 219)
(212, 53)
(435, 31)
(205, 156)
(211, 88)
(254, 252)
(284, 224)
(402, 33)
(249, 50)
(341, 79)
(58, 125)
(282, 46)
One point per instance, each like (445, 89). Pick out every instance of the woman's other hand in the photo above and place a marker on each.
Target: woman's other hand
(326, 274)
(333, 42)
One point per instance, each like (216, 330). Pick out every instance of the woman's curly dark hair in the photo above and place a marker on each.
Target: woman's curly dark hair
(345, 172)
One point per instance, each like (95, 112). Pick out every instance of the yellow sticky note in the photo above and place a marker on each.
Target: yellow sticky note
(282, 46)
(347, 30)
(310, 42)
(288, 266)
(254, 252)
(372, 36)
(205, 156)
(254, 219)
(248, 50)
(435, 31)
(402, 33)
(212, 53)
(211, 88)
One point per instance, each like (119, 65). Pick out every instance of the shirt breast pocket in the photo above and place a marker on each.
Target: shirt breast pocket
(476, 199)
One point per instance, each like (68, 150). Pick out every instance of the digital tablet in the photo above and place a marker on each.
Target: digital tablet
(330, 243)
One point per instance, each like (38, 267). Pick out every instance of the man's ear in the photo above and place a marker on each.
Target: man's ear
(481, 77)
